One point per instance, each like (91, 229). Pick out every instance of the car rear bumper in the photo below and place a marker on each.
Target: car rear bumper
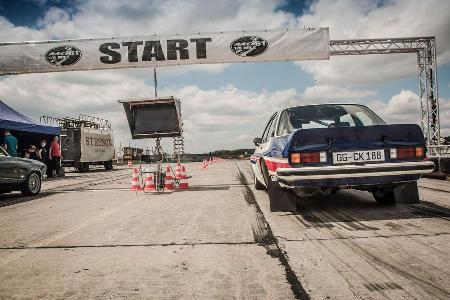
(353, 175)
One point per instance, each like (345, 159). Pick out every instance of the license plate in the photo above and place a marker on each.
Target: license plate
(358, 156)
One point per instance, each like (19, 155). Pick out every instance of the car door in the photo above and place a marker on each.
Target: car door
(264, 147)
(9, 169)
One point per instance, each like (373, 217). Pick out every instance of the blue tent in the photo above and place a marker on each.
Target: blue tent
(13, 120)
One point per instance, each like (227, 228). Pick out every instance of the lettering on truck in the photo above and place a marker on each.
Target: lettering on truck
(98, 142)
(152, 50)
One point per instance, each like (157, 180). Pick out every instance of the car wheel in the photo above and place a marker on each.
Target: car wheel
(32, 185)
(407, 193)
(108, 165)
(384, 197)
(83, 167)
(265, 173)
(281, 199)
(258, 185)
(61, 172)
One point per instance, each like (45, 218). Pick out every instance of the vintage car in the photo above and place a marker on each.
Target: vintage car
(311, 149)
(20, 174)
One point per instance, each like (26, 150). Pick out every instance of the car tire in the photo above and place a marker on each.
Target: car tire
(282, 200)
(108, 165)
(407, 193)
(279, 199)
(384, 197)
(258, 185)
(83, 167)
(32, 185)
(61, 172)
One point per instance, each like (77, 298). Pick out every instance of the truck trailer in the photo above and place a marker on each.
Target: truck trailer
(86, 141)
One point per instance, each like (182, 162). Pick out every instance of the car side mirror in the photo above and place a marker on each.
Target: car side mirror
(257, 141)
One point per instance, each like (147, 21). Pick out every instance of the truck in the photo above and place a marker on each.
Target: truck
(86, 141)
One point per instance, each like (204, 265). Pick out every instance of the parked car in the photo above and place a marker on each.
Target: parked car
(311, 149)
(20, 174)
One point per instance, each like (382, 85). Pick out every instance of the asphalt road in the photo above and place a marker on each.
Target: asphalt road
(88, 236)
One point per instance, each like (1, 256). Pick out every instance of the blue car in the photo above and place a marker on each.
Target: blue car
(311, 149)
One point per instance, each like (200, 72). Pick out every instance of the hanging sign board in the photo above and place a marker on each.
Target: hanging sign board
(164, 50)
(153, 118)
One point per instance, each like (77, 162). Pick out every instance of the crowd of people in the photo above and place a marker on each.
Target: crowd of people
(50, 155)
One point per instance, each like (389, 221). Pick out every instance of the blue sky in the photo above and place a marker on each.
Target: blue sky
(387, 83)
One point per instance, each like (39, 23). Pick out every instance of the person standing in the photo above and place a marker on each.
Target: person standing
(43, 153)
(54, 155)
(10, 143)
(32, 153)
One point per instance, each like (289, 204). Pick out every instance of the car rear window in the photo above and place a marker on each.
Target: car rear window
(327, 116)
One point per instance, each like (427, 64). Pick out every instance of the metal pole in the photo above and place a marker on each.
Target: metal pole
(155, 80)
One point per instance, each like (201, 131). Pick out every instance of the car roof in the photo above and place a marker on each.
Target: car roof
(320, 104)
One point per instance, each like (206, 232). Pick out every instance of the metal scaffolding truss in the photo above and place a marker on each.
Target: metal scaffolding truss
(425, 47)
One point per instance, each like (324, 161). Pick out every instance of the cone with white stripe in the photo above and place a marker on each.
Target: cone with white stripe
(178, 171)
(168, 180)
(149, 183)
(184, 185)
(130, 164)
(135, 186)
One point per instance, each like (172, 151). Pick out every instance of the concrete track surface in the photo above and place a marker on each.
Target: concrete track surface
(88, 236)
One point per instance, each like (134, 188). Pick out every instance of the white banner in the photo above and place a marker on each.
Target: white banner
(96, 145)
(164, 50)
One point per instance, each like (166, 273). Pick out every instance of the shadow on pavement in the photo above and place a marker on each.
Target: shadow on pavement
(206, 188)
(16, 198)
(351, 206)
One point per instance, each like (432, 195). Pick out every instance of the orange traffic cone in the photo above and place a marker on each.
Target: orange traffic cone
(149, 183)
(178, 171)
(129, 163)
(168, 180)
(204, 164)
(135, 186)
(183, 180)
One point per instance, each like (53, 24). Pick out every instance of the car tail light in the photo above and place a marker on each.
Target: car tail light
(420, 152)
(308, 157)
(295, 158)
(407, 152)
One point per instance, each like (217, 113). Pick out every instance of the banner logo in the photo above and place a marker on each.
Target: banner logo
(63, 55)
(247, 46)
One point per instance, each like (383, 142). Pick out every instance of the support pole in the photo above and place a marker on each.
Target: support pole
(155, 80)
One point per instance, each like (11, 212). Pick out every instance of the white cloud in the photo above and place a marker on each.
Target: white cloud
(227, 117)
(350, 19)
(98, 18)
(212, 118)
(401, 108)
(405, 108)
(326, 92)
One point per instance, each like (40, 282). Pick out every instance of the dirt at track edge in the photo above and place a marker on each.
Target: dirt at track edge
(264, 237)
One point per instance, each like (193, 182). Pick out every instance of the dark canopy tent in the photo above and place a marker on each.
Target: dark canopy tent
(13, 120)
(27, 131)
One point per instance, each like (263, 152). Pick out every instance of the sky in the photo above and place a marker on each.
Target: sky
(225, 106)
